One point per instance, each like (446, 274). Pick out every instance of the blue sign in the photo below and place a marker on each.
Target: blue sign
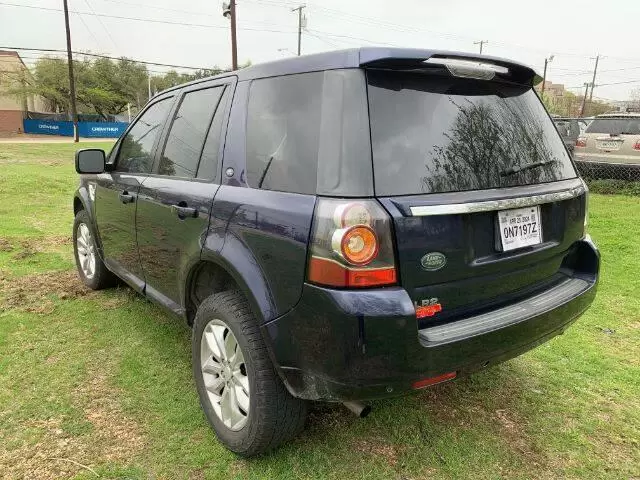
(85, 129)
(101, 129)
(48, 127)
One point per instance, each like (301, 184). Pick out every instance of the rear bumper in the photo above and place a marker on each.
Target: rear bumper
(341, 345)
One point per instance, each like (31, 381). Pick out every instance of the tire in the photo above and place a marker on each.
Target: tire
(97, 277)
(274, 415)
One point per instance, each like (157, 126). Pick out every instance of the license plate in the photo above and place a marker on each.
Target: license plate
(608, 144)
(520, 227)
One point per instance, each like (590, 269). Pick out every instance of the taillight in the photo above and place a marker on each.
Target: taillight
(351, 245)
(636, 146)
(581, 142)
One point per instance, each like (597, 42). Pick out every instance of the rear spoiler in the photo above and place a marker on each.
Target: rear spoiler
(414, 59)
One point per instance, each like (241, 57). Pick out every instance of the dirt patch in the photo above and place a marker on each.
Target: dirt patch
(28, 247)
(113, 437)
(6, 245)
(31, 293)
(377, 447)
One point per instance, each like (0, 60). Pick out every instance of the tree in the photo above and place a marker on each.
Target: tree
(103, 86)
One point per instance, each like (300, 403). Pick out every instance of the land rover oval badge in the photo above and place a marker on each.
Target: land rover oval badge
(433, 261)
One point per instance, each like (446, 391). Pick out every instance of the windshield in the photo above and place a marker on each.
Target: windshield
(434, 134)
(615, 126)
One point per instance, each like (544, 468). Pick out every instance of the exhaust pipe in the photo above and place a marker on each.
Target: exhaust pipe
(360, 409)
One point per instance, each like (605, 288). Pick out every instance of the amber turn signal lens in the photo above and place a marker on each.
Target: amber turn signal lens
(359, 245)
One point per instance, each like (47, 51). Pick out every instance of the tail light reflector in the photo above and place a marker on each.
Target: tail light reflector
(433, 380)
(636, 146)
(351, 245)
(428, 310)
(581, 142)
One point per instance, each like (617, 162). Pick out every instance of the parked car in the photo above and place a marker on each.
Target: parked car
(569, 130)
(610, 147)
(341, 227)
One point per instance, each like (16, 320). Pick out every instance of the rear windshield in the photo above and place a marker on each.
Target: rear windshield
(433, 134)
(615, 126)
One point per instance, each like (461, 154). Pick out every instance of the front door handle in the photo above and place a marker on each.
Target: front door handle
(184, 212)
(126, 197)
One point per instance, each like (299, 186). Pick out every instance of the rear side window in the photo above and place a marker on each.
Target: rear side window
(434, 133)
(190, 126)
(135, 153)
(283, 128)
(309, 133)
(615, 126)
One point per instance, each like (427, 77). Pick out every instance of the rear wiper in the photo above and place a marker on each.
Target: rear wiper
(526, 166)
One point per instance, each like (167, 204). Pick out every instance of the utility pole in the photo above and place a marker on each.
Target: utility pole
(72, 82)
(593, 82)
(229, 11)
(481, 43)
(544, 75)
(149, 85)
(584, 99)
(300, 18)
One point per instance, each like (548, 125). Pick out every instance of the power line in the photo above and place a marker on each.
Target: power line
(102, 23)
(146, 20)
(104, 56)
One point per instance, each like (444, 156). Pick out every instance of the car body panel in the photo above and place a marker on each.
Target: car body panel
(116, 224)
(170, 245)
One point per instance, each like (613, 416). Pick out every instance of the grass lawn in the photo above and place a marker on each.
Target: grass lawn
(99, 384)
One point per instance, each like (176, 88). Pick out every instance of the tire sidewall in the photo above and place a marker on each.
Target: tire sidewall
(236, 440)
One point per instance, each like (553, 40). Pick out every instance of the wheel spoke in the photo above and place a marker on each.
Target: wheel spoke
(230, 345)
(241, 381)
(214, 384)
(212, 344)
(226, 407)
(237, 360)
(218, 335)
(242, 399)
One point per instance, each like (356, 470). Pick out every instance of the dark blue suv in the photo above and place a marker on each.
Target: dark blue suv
(342, 227)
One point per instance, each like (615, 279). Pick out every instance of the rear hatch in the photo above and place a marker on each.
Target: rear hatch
(485, 200)
(614, 139)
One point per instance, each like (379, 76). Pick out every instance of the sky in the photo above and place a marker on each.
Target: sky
(574, 32)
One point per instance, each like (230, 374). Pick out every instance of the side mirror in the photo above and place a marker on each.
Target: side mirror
(90, 160)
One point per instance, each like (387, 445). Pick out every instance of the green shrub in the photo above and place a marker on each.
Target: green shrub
(613, 187)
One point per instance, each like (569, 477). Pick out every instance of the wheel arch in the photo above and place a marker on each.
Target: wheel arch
(215, 273)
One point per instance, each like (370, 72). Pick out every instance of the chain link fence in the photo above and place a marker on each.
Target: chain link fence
(606, 150)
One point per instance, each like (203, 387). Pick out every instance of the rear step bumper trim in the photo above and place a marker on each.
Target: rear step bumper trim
(497, 319)
(491, 205)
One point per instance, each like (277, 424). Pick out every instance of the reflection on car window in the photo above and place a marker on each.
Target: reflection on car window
(188, 130)
(134, 155)
(442, 134)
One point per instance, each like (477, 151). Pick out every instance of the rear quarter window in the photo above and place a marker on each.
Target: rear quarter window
(433, 133)
(309, 133)
(283, 128)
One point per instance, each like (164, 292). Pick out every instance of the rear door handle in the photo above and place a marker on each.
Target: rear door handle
(184, 212)
(126, 197)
